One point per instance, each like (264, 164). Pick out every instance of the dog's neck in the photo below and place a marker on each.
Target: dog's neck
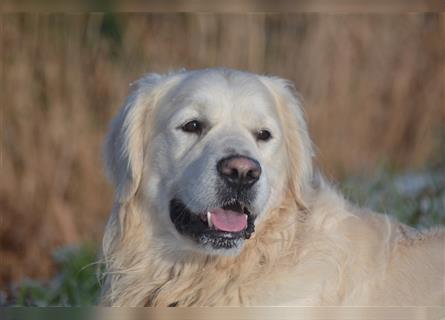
(151, 277)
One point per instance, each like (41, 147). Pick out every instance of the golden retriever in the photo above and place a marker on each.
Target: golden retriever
(218, 203)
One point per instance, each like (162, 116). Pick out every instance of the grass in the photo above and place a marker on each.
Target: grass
(416, 198)
(76, 283)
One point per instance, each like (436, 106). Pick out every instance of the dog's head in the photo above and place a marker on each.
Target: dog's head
(210, 152)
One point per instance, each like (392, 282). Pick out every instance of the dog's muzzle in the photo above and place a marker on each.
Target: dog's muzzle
(224, 227)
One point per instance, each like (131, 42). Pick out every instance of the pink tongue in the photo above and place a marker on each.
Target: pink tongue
(227, 220)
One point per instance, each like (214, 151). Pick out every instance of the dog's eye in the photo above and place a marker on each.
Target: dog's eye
(263, 135)
(193, 126)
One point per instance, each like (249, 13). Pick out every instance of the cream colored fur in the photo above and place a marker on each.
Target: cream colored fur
(312, 248)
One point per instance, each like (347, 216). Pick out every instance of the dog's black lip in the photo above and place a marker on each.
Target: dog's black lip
(190, 224)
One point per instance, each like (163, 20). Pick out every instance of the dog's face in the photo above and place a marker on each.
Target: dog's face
(215, 158)
(216, 153)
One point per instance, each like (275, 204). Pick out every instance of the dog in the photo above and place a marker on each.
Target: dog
(218, 203)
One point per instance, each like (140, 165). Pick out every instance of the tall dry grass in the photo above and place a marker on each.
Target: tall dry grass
(373, 87)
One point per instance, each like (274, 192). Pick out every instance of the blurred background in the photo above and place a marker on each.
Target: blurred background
(372, 84)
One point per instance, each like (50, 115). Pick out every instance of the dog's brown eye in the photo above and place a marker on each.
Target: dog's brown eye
(193, 126)
(263, 135)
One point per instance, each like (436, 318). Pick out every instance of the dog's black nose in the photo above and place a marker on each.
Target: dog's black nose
(239, 170)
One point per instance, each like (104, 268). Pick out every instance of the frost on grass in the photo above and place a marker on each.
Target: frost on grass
(415, 198)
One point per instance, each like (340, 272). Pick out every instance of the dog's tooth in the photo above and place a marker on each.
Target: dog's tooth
(209, 219)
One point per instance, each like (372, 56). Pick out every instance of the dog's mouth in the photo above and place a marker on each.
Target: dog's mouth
(224, 227)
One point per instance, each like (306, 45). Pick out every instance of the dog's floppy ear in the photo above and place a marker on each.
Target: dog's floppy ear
(298, 143)
(124, 146)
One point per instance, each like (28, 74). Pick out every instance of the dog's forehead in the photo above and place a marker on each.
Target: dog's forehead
(243, 92)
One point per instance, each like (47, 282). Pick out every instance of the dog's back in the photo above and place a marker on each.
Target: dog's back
(378, 260)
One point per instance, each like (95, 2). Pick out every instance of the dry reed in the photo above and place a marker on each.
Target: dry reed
(373, 88)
